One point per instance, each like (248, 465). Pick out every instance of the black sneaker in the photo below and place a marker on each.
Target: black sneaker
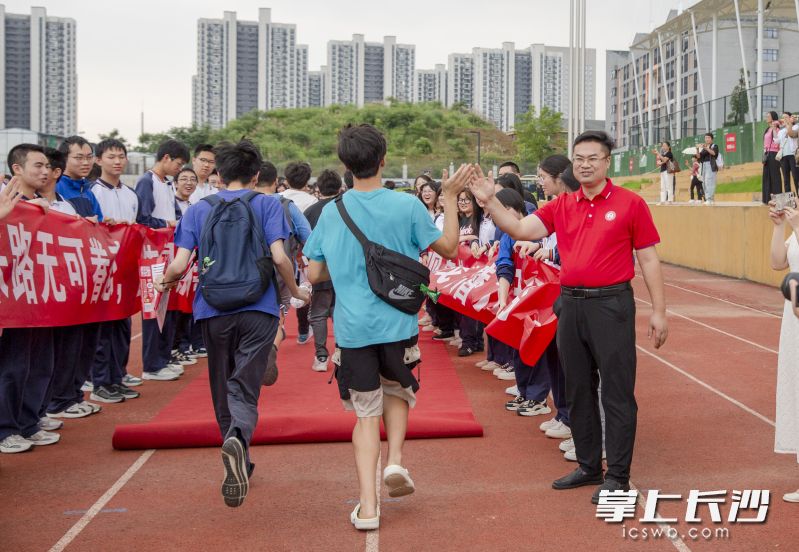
(183, 359)
(236, 482)
(106, 394)
(270, 375)
(125, 391)
(202, 352)
(465, 351)
(444, 336)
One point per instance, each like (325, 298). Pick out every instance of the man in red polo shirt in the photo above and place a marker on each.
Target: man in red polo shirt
(598, 229)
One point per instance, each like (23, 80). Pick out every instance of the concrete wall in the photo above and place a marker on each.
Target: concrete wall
(729, 240)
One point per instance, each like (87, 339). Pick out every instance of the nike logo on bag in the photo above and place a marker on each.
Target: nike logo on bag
(400, 292)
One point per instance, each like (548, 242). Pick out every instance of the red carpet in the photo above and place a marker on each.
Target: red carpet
(302, 408)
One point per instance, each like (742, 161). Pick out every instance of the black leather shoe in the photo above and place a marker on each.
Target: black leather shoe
(609, 485)
(577, 478)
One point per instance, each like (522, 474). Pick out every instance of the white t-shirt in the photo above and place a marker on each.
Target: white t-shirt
(203, 190)
(117, 202)
(487, 230)
(301, 199)
(787, 144)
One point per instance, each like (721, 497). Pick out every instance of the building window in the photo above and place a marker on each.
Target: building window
(769, 76)
(770, 102)
(771, 32)
(770, 54)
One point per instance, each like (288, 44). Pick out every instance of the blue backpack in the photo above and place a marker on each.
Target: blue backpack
(235, 265)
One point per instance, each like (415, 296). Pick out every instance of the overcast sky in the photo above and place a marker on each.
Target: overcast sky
(139, 55)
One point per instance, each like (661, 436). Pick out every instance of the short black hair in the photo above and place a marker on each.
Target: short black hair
(512, 165)
(567, 177)
(203, 147)
(109, 144)
(297, 175)
(667, 143)
(19, 154)
(599, 136)
(788, 113)
(554, 165)
(389, 184)
(237, 162)
(56, 159)
(709, 134)
(186, 169)
(267, 175)
(361, 148)
(510, 180)
(174, 149)
(348, 181)
(329, 183)
(94, 173)
(79, 141)
(509, 197)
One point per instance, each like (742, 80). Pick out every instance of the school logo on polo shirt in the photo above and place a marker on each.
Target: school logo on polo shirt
(610, 216)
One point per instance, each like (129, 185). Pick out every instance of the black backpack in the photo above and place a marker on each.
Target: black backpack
(393, 277)
(234, 261)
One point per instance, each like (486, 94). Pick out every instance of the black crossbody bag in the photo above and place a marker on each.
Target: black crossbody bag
(393, 277)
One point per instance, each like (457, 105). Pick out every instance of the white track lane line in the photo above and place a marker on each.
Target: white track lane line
(81, 524)
(677, 541)
(739, 305)
(373, 537)
(138, 335)
(709, 327)
(709, 387)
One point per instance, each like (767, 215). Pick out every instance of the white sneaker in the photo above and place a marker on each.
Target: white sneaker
(508, 374)
(398, 481)
(74, 411)
(87, 386)
(791, 497)
(481, 363)
(319, 365)
(161, 375)
(559, 431)
(412, 354)
(490, 366)
(94, 408)
(176, 368)
(570, 455)
(42, 438)
(14, 444)
(567, 445)
(425, 320)
(500, 368)
(49, 424)
(429, 328)
(131, 381)
(548, 424)
(513, 390)
(362, 524)
(455, 342)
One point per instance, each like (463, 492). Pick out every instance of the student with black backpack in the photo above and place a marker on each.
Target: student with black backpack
(239, 236)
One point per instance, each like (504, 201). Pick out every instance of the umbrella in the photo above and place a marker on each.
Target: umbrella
(689, 151)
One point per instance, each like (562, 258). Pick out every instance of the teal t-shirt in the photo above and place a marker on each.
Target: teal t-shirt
(395, 220)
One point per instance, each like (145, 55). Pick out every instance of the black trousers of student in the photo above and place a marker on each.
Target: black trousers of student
(156, 346)
(238, 349)
(700, 189)
(188, 334)
(446, 318)
(772, 178)
(303, 324)
(15, 358)
(113, 350)
(40, 377)
(789, 169)
(597, 337)
(471, 333)
(74, 355)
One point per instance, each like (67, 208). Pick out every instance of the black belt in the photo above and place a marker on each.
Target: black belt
(593, 293)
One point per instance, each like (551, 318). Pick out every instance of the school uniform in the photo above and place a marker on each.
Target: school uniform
(238, 341)
(156, 209)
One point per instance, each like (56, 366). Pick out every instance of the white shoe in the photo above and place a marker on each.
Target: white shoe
(94, 408)
(490, 366)
(131, 381)
(161, 375)
(87, 386)
(559, 431)
(425, 320)
(42, 438)
(455, 342)
(362, 524)
(74, 411)
(499, 369)
(176, 368)
(513, 390)
(412, 354)
(50, 424)
(14, 444)
(791, 497)
(570, 455)
(548, 424)
(507, 374)
(429, 328)
(481, 363)
(398, 481)
(319, 365)
(567, 445)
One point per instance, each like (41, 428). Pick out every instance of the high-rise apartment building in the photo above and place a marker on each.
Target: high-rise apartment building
(37, 65)
(460, 80)
(246, 65)
(430, 85)
(316, 87)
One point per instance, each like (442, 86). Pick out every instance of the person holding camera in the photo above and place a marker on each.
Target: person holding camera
(708, 160)
(785, 254)
(787, 138)
(665, 160)
(772, 179)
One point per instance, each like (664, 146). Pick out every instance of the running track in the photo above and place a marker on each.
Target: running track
(706, 411)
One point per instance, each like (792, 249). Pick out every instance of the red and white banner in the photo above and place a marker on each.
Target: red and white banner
(60, 270)
(469, 286)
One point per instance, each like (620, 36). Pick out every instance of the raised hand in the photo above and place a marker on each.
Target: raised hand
(9, 197)
(453, 185)
(482, 185)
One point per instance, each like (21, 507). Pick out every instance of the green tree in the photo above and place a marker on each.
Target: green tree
(739, 102)
(539, 136)
(114, 135)
(192, 136)
(423, 146)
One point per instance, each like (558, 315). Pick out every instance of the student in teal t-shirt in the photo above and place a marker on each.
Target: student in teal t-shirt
(373, 378)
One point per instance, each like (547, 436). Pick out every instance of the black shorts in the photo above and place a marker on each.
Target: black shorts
(366, 373)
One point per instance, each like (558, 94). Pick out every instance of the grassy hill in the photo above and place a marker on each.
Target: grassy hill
(427, 136)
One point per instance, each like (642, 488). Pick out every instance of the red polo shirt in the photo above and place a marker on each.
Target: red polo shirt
(596, 238)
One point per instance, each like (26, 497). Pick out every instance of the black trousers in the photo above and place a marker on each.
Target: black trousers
(74, 355)
(238, 349)
(113, 350)
(772, 178)
(156, 345)
(15, 359)
(700, 189)
(789, 169)
(597, 337)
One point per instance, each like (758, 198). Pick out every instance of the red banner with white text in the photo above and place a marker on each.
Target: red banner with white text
(61, 270)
